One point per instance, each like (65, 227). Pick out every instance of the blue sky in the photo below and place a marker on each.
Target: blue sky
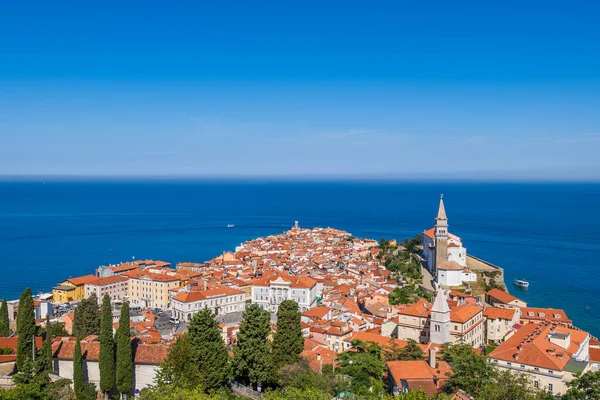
(402, 89)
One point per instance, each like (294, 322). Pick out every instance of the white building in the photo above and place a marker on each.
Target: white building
(270, 291)
(445, 255)
(450, 273)
(115, 287)
(221, 300)
(549, 354)
(438, 323)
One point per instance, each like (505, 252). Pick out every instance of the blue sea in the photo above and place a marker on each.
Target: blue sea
(548, 234)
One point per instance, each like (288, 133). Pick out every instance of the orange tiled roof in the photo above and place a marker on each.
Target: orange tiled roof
(464, 313)
(82, 280)
(499, 313)
(530, 345)
(501, 295)
(107, 280)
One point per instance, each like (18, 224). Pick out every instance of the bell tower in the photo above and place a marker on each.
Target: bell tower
(441, 234)
(439, 325)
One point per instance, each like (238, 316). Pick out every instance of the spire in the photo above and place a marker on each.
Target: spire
(440, 304)
(441, 209)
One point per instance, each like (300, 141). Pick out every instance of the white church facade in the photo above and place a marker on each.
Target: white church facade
(444, 253)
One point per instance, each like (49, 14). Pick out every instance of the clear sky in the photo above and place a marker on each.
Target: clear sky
(398, 89)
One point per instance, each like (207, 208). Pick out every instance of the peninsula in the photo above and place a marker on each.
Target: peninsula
(426, 292)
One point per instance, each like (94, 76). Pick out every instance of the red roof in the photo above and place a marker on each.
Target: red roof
(82, 280)
(501, 296)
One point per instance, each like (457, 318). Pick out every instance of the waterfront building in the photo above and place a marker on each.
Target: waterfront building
(270, 291)
(538, 315)
(116, 287)
(221, 300)
(549, 354)
(73, 289)
(502, 299)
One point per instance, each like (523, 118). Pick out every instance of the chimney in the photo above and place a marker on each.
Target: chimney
(204, 284)
(432, 360)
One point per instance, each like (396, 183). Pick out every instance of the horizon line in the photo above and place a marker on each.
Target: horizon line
(285, 178)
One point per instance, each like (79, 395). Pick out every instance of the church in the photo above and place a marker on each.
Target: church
(445, 256)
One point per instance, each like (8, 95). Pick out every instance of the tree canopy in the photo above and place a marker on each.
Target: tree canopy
(26, 330)
(124, 372)
(252, 360)
(288, 341)
(4, 322)
(107, 348)
(207, 350)
(86, 321)
(587, 386)
(364, 369)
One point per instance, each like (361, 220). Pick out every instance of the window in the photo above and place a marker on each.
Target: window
(550, 387)
(536, 384)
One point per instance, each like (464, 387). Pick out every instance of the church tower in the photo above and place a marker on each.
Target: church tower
(441, 234)
(439, 325)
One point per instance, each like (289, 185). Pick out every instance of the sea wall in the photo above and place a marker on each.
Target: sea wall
(488, 275)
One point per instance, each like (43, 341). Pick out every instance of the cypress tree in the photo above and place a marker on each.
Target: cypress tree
(4, 329)
(86, 321)
(252, 360)
(77, 370)
(124, 375)
(25, 329)
(208, 352)
(288, 341)
(44, 360)
(107, 348)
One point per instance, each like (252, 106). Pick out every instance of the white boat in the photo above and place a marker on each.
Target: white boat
(230, 225)
(521, 283)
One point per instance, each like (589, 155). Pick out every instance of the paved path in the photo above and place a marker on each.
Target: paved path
(427, 278)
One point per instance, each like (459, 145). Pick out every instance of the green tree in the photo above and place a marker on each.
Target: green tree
(292, 393)
(174, 392)
(44, 360)
(175, 371)
(470, 370)
(411, 351)
(208, 351)
(87, 318)
(300, 376)
(410, 395)
(25, 329)
(57, 329)
(252, 360)
(78, 370)
(107, 348)
(587, 386)
(124, 375)
(507, 385)
(288, 341)
(364, 366)
(4, 329)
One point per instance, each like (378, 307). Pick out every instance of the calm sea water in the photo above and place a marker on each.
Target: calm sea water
(548, 234)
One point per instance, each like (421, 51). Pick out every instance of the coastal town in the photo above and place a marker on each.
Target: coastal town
(426, 292)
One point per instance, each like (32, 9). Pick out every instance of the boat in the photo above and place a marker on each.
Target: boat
(521, 283)
(230, 225)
